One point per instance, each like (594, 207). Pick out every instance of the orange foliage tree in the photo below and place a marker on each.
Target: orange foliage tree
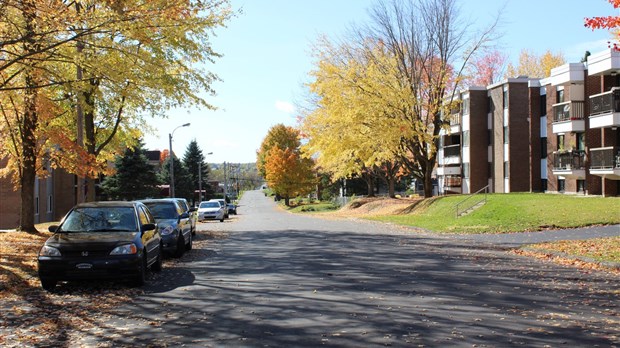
(606, 22)
(288, 173)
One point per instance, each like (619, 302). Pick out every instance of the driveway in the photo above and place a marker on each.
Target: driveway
(274, 279)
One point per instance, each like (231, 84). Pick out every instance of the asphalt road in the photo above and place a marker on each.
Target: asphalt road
(274, 279)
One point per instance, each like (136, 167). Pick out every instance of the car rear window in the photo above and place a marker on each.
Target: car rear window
(100, 219)
(162, 210)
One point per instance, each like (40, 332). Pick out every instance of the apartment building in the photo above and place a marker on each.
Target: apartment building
(494, 140)
(54, 195)
(557, 134)
(584, 101)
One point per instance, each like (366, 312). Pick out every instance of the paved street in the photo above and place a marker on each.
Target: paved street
(274, 279)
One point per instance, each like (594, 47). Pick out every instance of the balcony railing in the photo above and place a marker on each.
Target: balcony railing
(455, 119)
(569, 160)
(605, 103)
(453, 181)
(572, 110)
(452, 150)
(605, 158)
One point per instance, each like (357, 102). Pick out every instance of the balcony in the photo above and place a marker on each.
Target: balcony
(452, 154)
(455, 119)
(570, 164)
(605, 109)
(568, 117)
(605, 162)
(448, 170)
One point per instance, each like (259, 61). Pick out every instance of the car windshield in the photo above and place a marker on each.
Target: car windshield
(163, 210)
(209, 205)
(100, 219)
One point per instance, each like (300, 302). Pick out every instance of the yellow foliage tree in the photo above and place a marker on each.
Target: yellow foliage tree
(533, 65)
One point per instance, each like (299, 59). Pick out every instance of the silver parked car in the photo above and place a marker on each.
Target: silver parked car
(210, 211)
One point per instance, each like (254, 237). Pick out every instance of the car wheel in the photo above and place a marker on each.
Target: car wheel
(221, 220)
(141, 277)
(180, 246)
(194, 231)
(48, 284)
(191, 241)
(158, 265)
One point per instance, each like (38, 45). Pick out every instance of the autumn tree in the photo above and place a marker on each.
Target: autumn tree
(102, 67)
(289, 174)
(350, 129)
(611, 23)
(486, 69)
(533, 65)
(425, 48)
(279, 136)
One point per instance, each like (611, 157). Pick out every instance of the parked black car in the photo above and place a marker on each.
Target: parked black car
(174, 224)
(232, 208)
(111, 240)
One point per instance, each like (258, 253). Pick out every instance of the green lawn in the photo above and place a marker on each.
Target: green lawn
(512, 212)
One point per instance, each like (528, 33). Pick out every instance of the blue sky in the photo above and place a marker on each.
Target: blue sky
(266, 60)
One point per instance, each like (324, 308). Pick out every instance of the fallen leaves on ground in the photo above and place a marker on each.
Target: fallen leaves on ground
(601, 254)
(31, 316)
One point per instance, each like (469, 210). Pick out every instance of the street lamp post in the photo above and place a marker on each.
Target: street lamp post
(200, 179)
(172, 160)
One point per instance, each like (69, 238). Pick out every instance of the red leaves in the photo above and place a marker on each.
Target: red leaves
(607, 22)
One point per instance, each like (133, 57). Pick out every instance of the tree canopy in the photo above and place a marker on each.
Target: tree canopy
(78, 80)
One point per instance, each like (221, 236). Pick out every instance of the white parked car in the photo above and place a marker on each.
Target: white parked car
(210, 210)
(223, 204)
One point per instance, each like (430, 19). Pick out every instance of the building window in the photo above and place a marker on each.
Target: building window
(505, 98)
(489, 170)
(560, 139)
(543, 147)
(50, 203)
(506, 170)
(581, 141)
(560, 96)
(543, 105)
(491, 105)
(561, 185)
(466, 170)
(465, 107)
(505, 134)
(466, 138)
(36, 206)
(581, 186)
(489, 137)
(543, 184)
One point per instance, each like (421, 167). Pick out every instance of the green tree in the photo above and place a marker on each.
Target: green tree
(183, 186)
(134, 178)
(194, 161)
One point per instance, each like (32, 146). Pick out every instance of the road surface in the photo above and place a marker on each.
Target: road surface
(268, 278)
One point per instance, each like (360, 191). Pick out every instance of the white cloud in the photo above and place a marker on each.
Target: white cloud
(285, 106)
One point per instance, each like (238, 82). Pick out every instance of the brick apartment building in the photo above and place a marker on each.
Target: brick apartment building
(54, 196)
(557, 134)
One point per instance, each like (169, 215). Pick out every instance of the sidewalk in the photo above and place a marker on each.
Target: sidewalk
(512, 240)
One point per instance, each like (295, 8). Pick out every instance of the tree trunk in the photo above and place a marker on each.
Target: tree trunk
(391, 192)
(89, 132)
(29, 126)
(428, 182)
(28, 175)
